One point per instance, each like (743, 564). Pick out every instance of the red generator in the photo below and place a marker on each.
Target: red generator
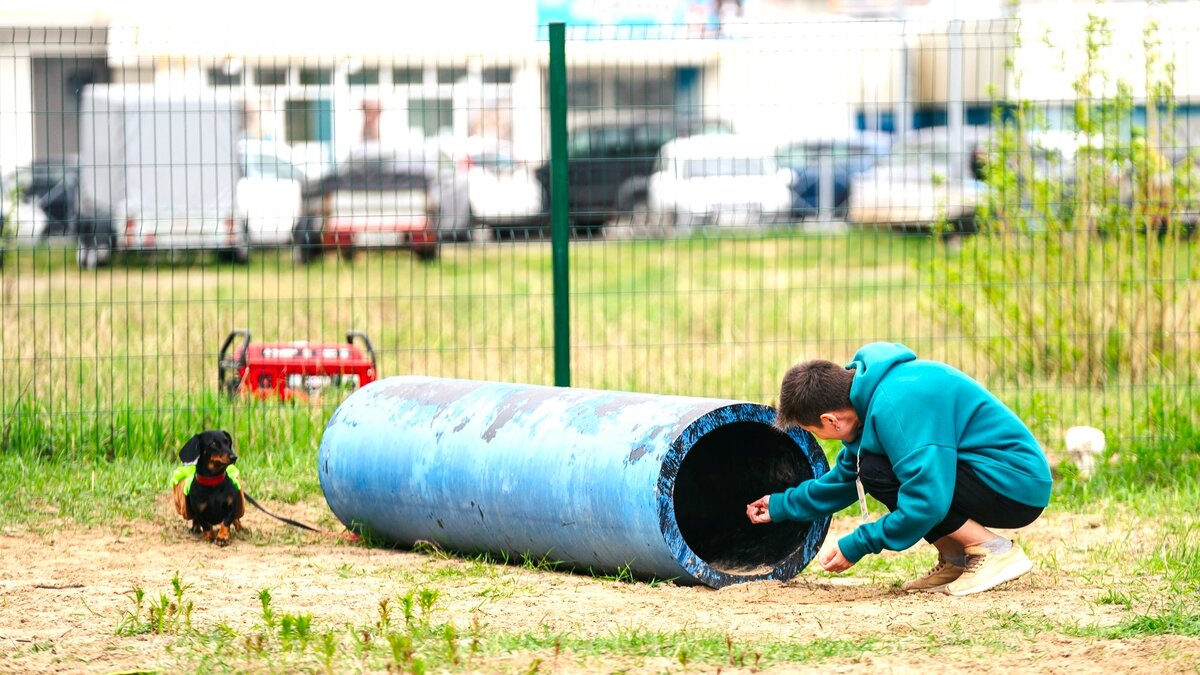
(288, 370)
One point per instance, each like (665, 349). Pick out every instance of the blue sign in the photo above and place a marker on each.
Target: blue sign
(626, 12)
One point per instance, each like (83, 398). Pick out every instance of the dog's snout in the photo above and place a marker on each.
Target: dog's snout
(232, 456)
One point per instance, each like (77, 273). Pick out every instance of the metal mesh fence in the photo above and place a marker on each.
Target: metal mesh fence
(1016, 197)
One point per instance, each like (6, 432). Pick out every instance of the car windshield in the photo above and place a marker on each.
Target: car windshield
(713, 167)
(796, 154)
(40, 177)
(493, 161)
(373, 174)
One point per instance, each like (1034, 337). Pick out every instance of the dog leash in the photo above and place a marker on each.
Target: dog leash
(348, 536)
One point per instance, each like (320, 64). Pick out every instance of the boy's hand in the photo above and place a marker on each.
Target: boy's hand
(832, 560)
(759, 511)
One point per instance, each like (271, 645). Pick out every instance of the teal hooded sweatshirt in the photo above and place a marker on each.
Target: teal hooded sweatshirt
(925, 416)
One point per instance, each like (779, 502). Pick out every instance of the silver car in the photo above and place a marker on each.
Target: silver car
(924, 181)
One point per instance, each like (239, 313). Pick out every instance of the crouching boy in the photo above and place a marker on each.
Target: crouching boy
(943, 454)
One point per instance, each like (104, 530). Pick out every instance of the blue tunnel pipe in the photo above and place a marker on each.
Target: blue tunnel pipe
(604, 481)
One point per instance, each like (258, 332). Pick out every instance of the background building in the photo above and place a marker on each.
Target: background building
(448, 71)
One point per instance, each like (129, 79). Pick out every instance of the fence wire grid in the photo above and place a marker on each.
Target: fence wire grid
(1014, 197)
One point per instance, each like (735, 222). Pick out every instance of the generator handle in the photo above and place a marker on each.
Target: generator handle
(226, 365)
(351, 334)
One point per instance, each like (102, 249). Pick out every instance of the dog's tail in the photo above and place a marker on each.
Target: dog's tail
(348, 536)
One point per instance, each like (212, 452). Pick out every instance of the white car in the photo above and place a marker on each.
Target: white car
(269, 191)
(925, 181)
(502, 191)
(718, 179)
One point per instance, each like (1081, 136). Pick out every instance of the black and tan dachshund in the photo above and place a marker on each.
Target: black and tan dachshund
(206, 490)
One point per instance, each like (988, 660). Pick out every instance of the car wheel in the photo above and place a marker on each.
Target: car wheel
(588, 231)
(961, 225)
(426, 253)
(684, 222)
(305, 241)
(347, 251)
(97, 242)
(239, 253)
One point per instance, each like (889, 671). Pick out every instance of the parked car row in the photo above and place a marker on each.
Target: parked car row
(663, 169)
(685, 174)
(677, 171)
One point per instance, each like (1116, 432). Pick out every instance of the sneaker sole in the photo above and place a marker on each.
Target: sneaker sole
(932, 589)
(1014, 570)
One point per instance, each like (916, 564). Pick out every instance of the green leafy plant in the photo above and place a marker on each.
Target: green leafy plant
(131, 622)
(1078, 274)
(163, 616)
(268, 614)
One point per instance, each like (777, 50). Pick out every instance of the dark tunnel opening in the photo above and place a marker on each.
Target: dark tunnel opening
(724, 471)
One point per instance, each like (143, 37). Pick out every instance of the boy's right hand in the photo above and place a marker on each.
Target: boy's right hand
(759, 510)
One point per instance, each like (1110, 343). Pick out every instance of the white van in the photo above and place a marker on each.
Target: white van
(159, 172)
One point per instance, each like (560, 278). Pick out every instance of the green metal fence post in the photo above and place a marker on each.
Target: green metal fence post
(559, 227)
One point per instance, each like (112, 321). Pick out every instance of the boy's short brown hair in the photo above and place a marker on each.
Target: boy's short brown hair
(810, 389)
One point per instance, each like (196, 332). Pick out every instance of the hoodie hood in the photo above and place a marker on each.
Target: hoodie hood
(870, 365)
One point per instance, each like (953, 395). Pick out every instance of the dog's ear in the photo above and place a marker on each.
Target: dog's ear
(228, 438)
(190, 452)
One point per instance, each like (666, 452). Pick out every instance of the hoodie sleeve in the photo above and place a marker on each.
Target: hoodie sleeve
(818, 497)
(926, 467)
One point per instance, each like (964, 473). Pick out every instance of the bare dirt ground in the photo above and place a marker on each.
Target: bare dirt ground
(65, 590)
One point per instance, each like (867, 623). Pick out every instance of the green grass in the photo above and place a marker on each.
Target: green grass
(712, 316)
(105, 375)
(413, 633)
(109, 372)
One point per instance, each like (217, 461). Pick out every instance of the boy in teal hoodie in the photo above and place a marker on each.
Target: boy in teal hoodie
(946, 457)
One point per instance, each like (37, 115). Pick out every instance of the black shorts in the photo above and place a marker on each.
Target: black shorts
(973, 499)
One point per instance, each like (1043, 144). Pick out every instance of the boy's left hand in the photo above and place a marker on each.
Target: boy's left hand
(832, 560)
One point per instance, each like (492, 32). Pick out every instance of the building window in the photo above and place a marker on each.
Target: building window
(450, 75)
(309, 120)
(218, 77)
(497, 75)
(652, 91)
(582, 93)
(363, 77)
(316, 76)
(270, 77)
(408, 75)
(430, 115)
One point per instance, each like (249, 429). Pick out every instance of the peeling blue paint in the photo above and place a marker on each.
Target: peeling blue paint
(587, 476)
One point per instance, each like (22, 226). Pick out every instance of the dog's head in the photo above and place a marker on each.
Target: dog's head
(211, 451)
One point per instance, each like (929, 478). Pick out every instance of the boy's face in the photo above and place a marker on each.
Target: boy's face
(839, 425)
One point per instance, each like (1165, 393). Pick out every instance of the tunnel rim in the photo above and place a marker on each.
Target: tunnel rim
(685, 556)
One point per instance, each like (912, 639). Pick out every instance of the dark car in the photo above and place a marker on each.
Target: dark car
(51, 185)
(839, 158)
(370, 201)
(610, 158)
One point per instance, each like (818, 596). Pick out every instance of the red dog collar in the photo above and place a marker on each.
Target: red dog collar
(210, 482)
